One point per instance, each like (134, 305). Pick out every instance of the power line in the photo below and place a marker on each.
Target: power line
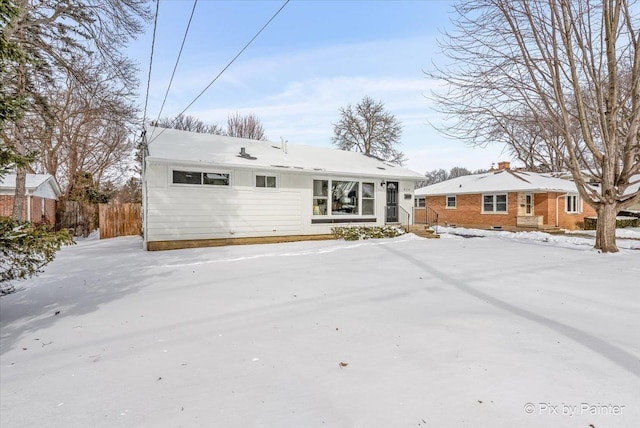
(153, 42)
(229, 64)
(195, 2)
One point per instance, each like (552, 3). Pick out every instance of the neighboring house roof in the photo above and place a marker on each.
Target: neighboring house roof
(635, 186)
(34, 183)
(499, 181)
(172, 145)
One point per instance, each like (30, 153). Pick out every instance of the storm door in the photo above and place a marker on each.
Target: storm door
(392, 201)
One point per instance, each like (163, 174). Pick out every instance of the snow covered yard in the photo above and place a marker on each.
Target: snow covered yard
(505, 330)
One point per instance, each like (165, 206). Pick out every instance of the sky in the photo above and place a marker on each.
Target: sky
(312, 59)
(494, 329)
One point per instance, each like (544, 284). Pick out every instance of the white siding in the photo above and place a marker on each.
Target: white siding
(185, 212)
(45, 191)
(178, 212)
(406, 188)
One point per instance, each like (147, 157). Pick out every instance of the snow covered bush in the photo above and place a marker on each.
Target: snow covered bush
(25, 249)
(355, 233)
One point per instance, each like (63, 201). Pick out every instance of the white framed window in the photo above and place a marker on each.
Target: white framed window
(451, 202)
(200, 178)
(320, 197)
(572, 204)
(368, 199)
(267, 181)
(343, 198)
(492, 204)
(420, 202)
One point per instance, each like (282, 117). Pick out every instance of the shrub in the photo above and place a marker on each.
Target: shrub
(590, 223)
(25, 249)
(355, 233)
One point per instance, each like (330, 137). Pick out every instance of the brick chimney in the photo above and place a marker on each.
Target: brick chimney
(504, 165)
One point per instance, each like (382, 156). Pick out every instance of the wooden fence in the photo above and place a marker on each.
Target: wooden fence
(120, 220)
(77, 216)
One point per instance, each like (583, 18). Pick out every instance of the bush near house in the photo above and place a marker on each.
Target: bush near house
(621, 222)
(355, 233)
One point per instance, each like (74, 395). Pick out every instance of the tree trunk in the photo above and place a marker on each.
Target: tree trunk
(20, 195)
(606, 228)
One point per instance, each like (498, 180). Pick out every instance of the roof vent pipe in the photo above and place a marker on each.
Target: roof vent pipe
(243, 152)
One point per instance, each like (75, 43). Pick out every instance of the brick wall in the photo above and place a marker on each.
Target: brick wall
(468, 211)
(37, 214)
(50, 206)
(569, 220)
(36, 209)
(6, 205)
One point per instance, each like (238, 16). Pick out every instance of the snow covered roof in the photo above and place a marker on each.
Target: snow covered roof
(33, 182)
(635, 186)
(170, 145)
(499, 181)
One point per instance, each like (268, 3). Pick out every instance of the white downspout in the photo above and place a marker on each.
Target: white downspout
(28, 207)
(143, 183)
(557, 209)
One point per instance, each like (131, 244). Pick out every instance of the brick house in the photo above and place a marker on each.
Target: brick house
(505, 199)
(42, 195)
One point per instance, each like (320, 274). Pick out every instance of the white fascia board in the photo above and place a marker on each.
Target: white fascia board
(262, 167)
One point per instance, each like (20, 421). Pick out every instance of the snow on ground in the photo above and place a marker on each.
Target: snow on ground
(494, 331)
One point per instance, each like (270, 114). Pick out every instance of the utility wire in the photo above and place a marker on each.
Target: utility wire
(195, 2)
(228, 65)
(153, 42)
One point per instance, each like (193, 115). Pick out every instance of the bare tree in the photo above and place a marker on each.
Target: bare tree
(55, 37)
(369, 129)
(573, 67)
(458, 171)
(188, 123)
(87, 127)
(248, 126)
(439, 175)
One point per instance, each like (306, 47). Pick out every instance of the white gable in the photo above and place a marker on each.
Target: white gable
(43, 185)
(170, 145)
(499, 181)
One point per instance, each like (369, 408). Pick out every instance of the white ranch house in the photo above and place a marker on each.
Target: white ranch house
(205, 189)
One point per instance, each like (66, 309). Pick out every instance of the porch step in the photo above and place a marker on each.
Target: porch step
(551, 229)
(422, 231)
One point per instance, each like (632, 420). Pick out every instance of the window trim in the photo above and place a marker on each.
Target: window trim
(417, 200)
(455, 202)
(202, 184)
(577, 202)
(266, 175)
(345, 217)
(363, 198)
(494, 197)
